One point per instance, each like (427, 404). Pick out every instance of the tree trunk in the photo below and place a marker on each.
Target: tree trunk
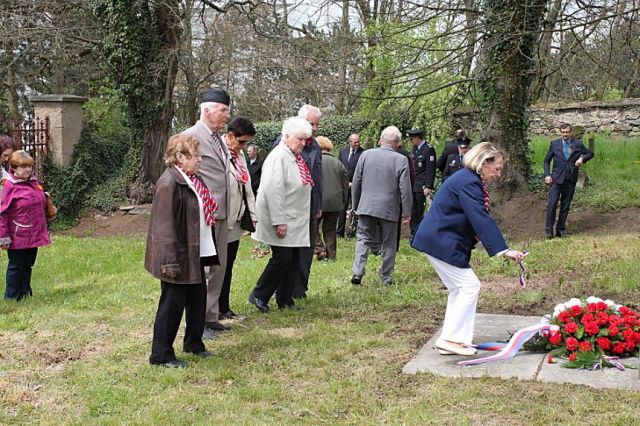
(342, 65)
(544, 50)
(506, 81)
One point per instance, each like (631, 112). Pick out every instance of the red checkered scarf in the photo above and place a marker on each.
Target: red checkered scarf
(485, 201)
(305, 174)
(240, 171)
(209, 205)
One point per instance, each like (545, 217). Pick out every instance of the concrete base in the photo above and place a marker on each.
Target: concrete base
(526, 365)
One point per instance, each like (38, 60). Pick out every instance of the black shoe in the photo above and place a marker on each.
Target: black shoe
(217, 326)
(356, 279)
(203, 354)
(292, 306)
(171, 364)
(262, 307)
(229, 315)
(208, 334)
(300, 296)
(561, 234)
(549, 236)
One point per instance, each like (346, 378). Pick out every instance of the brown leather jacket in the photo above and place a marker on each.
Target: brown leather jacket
(173, 240)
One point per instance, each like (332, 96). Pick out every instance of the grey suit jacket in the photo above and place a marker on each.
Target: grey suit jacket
(381, 184)
(214, 167)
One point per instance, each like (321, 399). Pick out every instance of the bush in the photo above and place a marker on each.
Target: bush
(336, 128)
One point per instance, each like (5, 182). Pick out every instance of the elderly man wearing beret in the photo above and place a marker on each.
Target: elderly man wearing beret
(214, 170)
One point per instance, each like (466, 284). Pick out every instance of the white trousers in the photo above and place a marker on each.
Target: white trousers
(464, 287)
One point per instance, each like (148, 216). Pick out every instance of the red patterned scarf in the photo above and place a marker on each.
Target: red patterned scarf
(305, 174)
(240, 171)
(209, 205)
(485, 193)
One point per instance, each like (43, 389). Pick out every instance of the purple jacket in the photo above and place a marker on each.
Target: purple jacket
(22, 214)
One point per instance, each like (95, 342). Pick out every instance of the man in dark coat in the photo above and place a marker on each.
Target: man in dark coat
(424, 163)
(349, 156)
(454, 161)
(568, 154)
(254, 164)
(451, 147)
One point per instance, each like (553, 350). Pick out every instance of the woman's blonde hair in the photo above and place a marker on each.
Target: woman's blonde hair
(20, 158)
(484, 152)
(179, 143)
(325, 143)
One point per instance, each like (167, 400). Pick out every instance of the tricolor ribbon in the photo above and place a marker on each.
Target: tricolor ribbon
(510, 349)
(523, 272)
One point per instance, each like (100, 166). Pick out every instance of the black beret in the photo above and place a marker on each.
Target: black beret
(415, 132)
(216, 95)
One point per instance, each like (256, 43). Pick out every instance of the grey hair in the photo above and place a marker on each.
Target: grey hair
(295, 126)
(483, 152)
(306, 110)
(390, 136)
(208, 105)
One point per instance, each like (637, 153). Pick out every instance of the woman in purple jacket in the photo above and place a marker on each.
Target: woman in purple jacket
(23, 225)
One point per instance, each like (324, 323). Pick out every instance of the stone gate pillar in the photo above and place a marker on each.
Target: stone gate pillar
(65, 123)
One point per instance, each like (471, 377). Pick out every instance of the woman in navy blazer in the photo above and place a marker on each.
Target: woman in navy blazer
(458, 218)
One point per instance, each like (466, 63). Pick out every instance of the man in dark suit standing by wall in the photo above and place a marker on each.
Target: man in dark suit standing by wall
(568, 154)
(254, 164)
(424, 162)
(349, 156)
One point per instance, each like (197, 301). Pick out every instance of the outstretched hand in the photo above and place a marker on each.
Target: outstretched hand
(515, 255)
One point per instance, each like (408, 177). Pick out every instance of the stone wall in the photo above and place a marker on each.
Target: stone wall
(620, 118)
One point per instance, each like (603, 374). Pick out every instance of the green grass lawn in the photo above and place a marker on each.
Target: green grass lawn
(76, 353)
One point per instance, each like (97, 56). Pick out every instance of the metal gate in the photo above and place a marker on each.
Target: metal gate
(32, 136)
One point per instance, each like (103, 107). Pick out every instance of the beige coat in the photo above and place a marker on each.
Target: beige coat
(234, 197)
(282, 200)
(214, 167)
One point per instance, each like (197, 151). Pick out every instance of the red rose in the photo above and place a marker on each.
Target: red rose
(602, 318)
(563, 316)
(571, 327)
(591, 328)
(628, 335)
(587, 318)
(604, 343)
(550, 359)
(571, 343)
(618, 348)
(630, 346)
(576, 310)
(585, 346)
(555, 339)
(602, 306)
(592, 307)
(613, 331)
(614, 319)
(572, 357)
(624, 310)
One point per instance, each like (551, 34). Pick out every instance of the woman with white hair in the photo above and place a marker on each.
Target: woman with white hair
(458, 218)
(283, 214)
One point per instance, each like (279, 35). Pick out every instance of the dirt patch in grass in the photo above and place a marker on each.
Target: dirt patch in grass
(522, 218)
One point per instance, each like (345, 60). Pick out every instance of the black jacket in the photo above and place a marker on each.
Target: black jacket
(565, 170)
(255, 171)
(454, 163)
(451, 147)
(424, 162)
(350, 165)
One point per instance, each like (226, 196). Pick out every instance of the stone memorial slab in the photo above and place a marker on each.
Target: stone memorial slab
(525, 365)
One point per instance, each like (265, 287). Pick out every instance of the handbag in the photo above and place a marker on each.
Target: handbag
(50, 210)
(246, 223)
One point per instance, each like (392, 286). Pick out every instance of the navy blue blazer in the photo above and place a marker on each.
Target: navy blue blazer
(350, 165)
(448, 230)
(565, 170)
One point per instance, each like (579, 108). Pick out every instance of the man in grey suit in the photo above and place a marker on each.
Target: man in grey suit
(381, 185)
(214, 170)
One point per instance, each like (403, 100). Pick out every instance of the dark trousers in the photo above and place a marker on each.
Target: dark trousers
(328, 224)
(342, 218)
(303, 265)
(278, 275)
(564, 193)
(417, 211)
(174, 299)
(21, 262)
(223, 302)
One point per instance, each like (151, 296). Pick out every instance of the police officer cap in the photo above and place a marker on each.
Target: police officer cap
(414, 132)
(464, 143)
(216, 95)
